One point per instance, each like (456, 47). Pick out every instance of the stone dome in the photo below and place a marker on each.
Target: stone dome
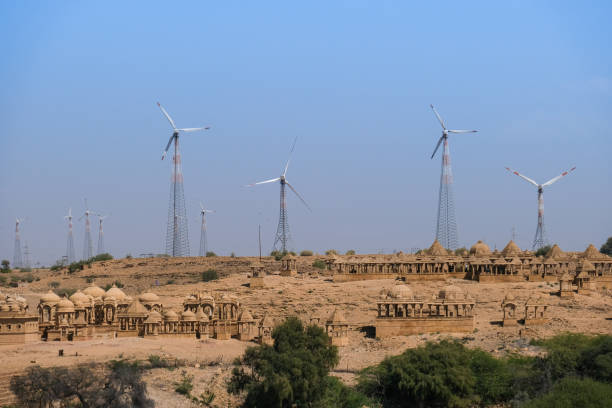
(49, 297)
(555, 252)
(79, 297)
(201, 316)
(115, 292)
(591, 252)
(336, 317)
(480, 249)
(451, 292)
(170, 315)
(245, 316)
(436, 249)
(154, 317)
(400, 291)
(188, 316)
(148, 297)
(65, 306)
(94, 291)
(511, 249)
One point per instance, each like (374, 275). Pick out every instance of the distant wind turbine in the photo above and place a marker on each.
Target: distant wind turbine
(446, 225)
(283, 236)
(540, 236)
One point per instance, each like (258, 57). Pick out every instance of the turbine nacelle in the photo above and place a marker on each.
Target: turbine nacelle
(445, 131)
(176, 131)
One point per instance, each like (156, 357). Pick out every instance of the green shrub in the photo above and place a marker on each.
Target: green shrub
(306, 252)
(319, 263)
(116, 283)
(184, 386)
(28, 278)
(210, 275)
(6, 266)
(15, 278)
(101, 257)
(232, 255)
(278, 255)
(2, 280)
(89, 279)
(331, 252)
(210, 254)
(54, 284)
(461, 251)
(65, 292)
(170, 282)
(350, 252)
(25, 269)
(543, 251)
(157, 362)
(437, 374)
(574, 392)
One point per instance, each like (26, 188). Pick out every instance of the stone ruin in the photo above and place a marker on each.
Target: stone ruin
(17, 324)
(401, 313)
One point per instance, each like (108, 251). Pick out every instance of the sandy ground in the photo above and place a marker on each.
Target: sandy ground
(307, 296)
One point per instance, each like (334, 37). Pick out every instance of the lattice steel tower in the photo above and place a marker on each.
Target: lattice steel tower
(70, 242)
(540, 240)
(446, 224)
(17, 259)
(283, 236)
(177, 239)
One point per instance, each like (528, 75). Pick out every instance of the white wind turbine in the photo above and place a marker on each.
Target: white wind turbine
(203, 237)
(446, 225)
(101, 218)
(282, 232)
(87, 244)
(70, 257)
(177, 240)
(540, 236)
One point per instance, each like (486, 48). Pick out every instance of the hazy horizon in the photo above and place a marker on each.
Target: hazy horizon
(353, 81)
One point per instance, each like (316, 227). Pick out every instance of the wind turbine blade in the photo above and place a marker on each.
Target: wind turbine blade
(194, 129)
(462, 131)
(166, 115)
(439, 117)
(554, 180)
(523, 177)
(290, 153)
(263, 182)
(168, 145)
(201, 206)
(298, 194)
(437, 146)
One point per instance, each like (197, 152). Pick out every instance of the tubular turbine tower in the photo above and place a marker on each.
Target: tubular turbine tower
(540, 238)
(101, 234)
(177, 239)
(203, 238)
(282, 238)
(17, 259)
(446, 225)
(70, 243)
(87, 243)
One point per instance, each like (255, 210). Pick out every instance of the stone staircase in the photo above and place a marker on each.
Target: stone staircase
(6, 396)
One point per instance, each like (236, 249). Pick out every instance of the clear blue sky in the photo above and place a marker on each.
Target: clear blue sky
(353, 80)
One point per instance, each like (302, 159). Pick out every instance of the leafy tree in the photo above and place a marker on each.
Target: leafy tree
(331, 252)
(605, 248)
(6, 266)
(306, 252)
(436, 375)
(115, 385)
(319, 263)
(543, 251)
(350, 252)
(210, 254)
(278, 255)
(291, 373)
(596, 361)
(573, 392)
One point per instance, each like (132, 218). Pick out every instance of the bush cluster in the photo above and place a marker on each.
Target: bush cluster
(210, 275)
